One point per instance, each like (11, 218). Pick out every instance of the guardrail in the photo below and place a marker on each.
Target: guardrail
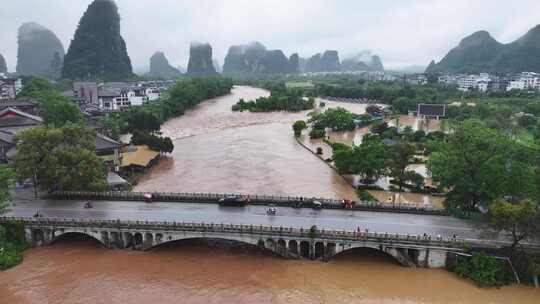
(334, 235)
(352, 100)
(284, 201)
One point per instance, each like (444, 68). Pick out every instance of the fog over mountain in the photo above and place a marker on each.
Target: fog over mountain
(201, 62)
(39, 51)
(480, 52)
(402, 33)
(160, 67)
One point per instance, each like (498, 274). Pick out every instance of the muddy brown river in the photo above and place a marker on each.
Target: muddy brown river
(82, 272)
(220, 151)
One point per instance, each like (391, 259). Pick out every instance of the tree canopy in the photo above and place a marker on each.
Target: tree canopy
(5, 182)
(338, 119)
(519, 220)
(60, 158)
(478, 164)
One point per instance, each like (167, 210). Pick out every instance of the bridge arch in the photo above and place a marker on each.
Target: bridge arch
(57, 235)
(401, 256)
(269, 245)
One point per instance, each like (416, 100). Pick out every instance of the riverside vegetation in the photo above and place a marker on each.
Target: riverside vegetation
(12, 238)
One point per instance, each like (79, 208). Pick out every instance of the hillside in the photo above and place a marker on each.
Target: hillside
(480, 52)
(97, 49)
(254, 58)
(39, 52)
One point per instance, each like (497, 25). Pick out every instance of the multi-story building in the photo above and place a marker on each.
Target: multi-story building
(87, 91)
(114, 96)
(9, 87)
(525, 81)
(153, 93)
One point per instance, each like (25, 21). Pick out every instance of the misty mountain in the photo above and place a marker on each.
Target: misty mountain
(362, 61)
(326, 62)
(3, 65)
(200, 60)
(97, 49)
(217, 65)
(38, 48)
(160, 67)
(480, 52)
(254, 58)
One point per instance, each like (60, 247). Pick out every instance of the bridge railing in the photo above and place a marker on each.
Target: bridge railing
(334, 235)
(285, 201)
(352, 100)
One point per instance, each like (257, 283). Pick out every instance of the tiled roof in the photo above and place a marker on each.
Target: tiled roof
(19, 118)
(105, 143)
(6, 137)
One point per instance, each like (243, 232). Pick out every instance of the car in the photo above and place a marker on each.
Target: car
(272, 210)
(232, 201)
(316, 205)
(148, 197)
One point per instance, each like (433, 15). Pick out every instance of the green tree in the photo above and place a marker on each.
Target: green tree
(58, 110)
(480, 268)
(6, 178)
(317, 133)
(478, 164)
(516, 220)
(369, 160)
(143, 120)
(338, 119)
(35, 86)
(59, 158)
(298, 126)
(401, 156)
(402, 105)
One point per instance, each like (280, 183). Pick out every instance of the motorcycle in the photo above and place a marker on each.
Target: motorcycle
(88, 205)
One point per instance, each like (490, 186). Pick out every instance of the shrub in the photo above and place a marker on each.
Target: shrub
(317, 133)
(298, 126)
(480, 268)
(319, 151)
(364, 196)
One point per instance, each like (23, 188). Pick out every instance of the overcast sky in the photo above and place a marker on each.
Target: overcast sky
(402, 32)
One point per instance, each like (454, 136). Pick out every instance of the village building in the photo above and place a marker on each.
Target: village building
(9, 87)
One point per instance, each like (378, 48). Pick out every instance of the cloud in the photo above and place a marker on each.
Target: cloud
(402, 32)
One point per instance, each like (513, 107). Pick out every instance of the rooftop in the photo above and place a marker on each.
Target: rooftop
(432, 109)
(12, 117)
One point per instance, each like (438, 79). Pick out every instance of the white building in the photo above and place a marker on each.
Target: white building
(525, 81)
(153, 93)
(113, 96)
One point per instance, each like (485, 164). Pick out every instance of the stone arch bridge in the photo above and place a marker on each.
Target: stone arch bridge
(294, 243)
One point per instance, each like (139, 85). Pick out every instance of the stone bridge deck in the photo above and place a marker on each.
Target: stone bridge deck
(285, 201)
(296, 243)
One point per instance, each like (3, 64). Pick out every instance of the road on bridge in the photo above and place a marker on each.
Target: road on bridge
(256, 215)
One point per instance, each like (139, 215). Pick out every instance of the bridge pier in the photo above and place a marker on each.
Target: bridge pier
(287, 243)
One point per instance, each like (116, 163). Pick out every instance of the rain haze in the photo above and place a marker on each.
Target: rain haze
(403, 33)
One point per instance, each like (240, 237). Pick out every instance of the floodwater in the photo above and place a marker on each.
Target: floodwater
(220, 151)
(81, 272)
